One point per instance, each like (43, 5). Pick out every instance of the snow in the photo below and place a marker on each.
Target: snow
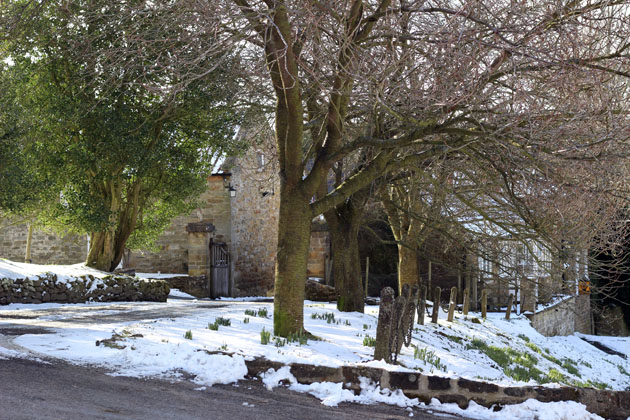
(162, 348)
(179, 294)
(528, 410)
(159, 348)
(159, 275)
(14, 270)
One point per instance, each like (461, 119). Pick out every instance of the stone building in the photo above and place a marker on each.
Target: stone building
(237, 215)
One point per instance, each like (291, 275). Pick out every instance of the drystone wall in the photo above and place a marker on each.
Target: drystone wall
(49, 288)
(566, 317)
(46, 248)
(608, 404)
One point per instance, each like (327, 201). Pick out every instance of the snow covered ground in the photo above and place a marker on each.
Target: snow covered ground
(494, 350)
(16, 270)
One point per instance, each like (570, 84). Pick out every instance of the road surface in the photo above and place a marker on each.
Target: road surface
(31, 390)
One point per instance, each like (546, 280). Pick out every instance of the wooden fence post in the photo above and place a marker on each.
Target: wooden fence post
(509, 307)
(422, 304)
(466, 301)
(367, 274)
(484, 303)
(436, 305)
(475, 302)
(459, 281)
(452, 303)
(429, 289)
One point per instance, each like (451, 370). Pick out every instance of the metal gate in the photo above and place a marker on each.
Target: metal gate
(219, 269)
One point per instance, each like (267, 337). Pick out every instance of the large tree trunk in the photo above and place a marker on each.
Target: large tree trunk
(101, 252)
(407, 266)
(108, 246)
(294, 233)
(344, 222)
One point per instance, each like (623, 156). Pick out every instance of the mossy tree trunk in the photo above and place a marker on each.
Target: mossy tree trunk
(344, 222)
(407, 264)
(108, 245)
(293, 243)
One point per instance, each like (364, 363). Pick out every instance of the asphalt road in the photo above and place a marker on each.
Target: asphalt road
(31, 390)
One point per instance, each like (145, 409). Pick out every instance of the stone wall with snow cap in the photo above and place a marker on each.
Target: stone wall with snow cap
(28, 283)
(564, 317)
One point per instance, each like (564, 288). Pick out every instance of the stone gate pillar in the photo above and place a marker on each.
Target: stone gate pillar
(199, 236)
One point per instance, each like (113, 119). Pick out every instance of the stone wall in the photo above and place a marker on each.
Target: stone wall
(195, 286)
(48, 288)
(319, 250)
(46, 248)
(173, 244)
(609, 404)
(564, 318)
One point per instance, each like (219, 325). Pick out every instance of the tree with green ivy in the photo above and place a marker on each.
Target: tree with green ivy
(117, 161)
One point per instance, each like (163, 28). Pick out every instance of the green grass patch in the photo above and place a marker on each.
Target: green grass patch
(260, 313)
(554, 375)
(454, 338)
(299, 337)
(225, 322)
(369, 341)
(533, 347)
(523, 337)
(428, 357)
(522, 373)
(329, 317)
(571, 367)
(188, 335)
(265, 336)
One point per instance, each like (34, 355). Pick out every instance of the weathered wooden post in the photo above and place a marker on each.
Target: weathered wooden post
(429, 277)
(452, 303)
(436, 305)
(422, 304)
(484, 303)
(508, 312)
(327, 266)
(475, 302)
(383, 327)
(367, 274)
(466, 301)
(459, 280)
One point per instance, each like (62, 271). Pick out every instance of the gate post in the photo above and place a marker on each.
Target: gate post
(199, 236)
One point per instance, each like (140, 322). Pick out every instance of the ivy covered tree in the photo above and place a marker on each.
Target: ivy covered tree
(119, 160)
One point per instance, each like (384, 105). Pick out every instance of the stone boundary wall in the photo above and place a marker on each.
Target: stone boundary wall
(564, 318)
(46, 248)
(196, 286)
(608, 404)
(48, 288)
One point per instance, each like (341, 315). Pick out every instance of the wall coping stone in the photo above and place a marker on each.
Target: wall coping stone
(613, 405)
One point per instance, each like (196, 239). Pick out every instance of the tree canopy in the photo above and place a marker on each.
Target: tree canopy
(118, 160)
